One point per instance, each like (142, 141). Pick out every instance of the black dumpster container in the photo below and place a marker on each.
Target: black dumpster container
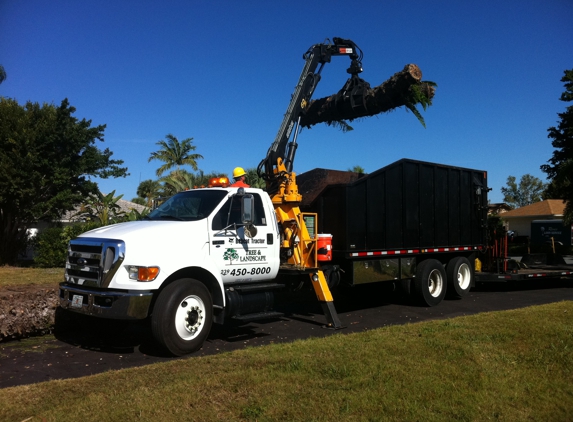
(407, 204)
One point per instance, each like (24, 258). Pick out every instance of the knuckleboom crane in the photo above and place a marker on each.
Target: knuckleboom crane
(298, 247)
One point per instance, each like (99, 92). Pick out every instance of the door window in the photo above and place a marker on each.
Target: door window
(230, 213)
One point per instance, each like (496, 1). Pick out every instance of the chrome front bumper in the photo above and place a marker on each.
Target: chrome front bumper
(112, 304)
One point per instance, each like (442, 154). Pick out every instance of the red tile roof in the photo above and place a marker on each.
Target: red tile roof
(549, 207)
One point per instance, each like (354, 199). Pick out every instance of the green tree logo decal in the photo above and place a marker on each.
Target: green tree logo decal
(230, 255)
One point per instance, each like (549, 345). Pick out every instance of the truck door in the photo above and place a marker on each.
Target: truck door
(239, 257)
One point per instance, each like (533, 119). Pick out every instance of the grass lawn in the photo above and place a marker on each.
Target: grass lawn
(503, 366)
(17, 276)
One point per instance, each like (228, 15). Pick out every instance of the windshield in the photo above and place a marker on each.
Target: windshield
(189, 205)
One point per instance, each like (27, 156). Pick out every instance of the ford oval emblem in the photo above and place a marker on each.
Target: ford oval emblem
(82, 261)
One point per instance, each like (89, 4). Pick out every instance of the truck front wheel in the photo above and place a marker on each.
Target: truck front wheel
(182, 316)
(460, 277)
(430, 282)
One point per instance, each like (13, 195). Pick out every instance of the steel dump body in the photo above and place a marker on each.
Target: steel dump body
(407, 205)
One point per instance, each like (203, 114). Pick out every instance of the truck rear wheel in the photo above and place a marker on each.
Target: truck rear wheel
(182, 316)
(460, 277)
(430, 283)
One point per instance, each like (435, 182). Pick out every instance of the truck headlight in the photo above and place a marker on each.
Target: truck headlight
(140, 273)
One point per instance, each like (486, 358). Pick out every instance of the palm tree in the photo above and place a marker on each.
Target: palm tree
(177, 181)
(183, 180)
(139, 201)
(357, 169)
(253, 179)
(148, 190)
(175, 154)
(2, 74)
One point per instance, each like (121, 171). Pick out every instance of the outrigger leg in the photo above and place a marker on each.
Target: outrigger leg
(325, 297)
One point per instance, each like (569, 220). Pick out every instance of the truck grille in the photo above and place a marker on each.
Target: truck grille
(93, 262)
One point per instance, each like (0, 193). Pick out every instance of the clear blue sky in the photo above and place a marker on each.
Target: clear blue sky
(222, 72)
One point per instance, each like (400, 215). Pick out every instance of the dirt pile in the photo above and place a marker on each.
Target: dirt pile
(27, 310)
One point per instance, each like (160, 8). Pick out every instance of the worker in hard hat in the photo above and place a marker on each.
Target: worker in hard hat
(239, 176)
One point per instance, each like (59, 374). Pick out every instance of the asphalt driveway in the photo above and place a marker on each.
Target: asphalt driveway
(96, 348)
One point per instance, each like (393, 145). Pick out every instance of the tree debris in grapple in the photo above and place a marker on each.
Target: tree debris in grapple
(404, 88)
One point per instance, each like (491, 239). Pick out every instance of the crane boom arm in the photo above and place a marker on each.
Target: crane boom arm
(315, 58)
(298, 246)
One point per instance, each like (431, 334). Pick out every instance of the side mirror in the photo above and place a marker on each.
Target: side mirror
(247, 209)
(247, 215)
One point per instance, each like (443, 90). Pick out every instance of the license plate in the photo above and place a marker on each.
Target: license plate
(77, 301)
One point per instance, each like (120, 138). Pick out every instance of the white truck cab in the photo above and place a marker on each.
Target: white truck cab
(203, 254)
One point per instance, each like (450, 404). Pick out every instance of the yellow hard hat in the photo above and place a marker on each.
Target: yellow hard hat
(238, 172)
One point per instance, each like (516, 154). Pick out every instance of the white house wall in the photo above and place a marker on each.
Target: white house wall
(522, 226)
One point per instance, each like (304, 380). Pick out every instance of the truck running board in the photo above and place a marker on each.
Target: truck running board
(257, 287)
(258, 316)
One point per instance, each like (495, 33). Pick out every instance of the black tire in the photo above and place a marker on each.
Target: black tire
(182, 316)
(460, 277)
(332, 275)
(430, 283)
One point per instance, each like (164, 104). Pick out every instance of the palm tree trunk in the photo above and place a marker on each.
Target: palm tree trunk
(404, 88)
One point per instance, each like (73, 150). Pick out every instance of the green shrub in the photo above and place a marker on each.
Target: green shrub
(71, 232)
(51, 245)
(50, 248)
